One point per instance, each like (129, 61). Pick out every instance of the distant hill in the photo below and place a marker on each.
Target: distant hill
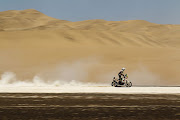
(25, 19)
(128, 33)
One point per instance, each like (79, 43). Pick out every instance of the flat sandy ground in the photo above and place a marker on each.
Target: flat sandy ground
(89, 106)
(89, 102)
(90, 89)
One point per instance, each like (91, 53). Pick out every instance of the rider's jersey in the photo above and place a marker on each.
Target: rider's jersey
(120, 73)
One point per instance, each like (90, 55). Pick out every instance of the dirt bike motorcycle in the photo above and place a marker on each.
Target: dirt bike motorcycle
(121, 82)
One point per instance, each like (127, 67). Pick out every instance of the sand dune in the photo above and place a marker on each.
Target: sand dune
(26, 19)
(32, 43)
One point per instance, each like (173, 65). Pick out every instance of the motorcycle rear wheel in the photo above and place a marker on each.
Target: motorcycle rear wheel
(115, 84)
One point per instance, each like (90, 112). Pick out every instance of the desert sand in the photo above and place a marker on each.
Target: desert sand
(33, 44)
(90, 89)
(65, 106)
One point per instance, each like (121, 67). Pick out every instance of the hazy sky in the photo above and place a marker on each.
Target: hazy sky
(157, 11)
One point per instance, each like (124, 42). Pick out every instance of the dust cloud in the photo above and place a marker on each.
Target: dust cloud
(74, 73)
(79, 73)
(142, 76)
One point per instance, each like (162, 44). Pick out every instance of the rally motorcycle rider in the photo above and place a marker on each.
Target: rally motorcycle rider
(120, 74)
(122, 81)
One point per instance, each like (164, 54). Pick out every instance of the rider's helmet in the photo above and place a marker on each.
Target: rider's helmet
(123, 69)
